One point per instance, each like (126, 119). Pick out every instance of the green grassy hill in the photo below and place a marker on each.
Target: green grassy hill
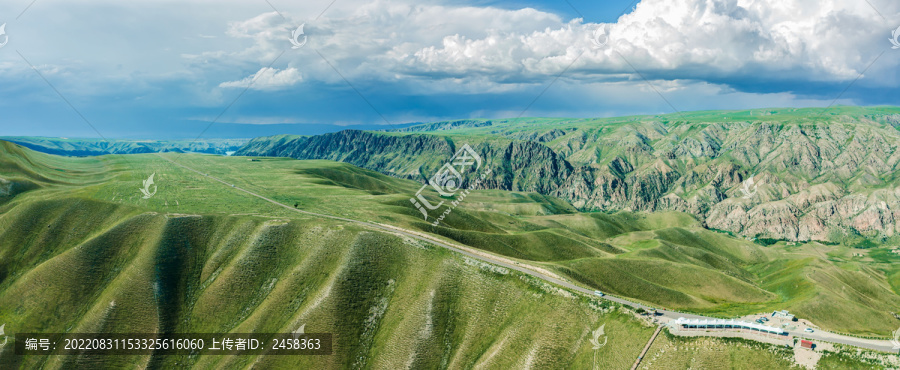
(648, 257)
(825, 175)
(73, 263)
(391, 302)
(81, 251)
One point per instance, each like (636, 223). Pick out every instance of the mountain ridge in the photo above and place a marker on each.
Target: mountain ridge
(95, 147)
(826, 177)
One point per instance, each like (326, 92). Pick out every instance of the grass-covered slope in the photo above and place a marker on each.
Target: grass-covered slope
(642, 256)
(391, 302)
(70, 262)
(83, 252)
(666, 259)
(826, 175)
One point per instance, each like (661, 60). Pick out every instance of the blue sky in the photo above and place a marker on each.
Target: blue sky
(168, 69)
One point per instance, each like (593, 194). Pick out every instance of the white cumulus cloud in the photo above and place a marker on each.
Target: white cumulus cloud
(729, 42)
(826, 40)
(413, 59)
(268, 79)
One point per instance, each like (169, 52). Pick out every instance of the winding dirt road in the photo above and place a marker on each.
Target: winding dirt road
(878, 345)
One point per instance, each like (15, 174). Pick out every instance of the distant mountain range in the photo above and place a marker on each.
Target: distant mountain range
(789, 174)
(94, 147)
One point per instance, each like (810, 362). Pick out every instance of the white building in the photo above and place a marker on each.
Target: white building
(727, 324)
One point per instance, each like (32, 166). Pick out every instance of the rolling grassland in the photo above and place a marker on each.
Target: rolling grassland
(787, 174)
(81, 251)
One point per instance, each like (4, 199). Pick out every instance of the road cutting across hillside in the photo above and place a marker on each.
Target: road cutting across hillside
(664, 315)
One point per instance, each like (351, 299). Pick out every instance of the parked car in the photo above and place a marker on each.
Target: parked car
(808, 330)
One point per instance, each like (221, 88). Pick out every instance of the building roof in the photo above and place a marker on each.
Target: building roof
(716, 322)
